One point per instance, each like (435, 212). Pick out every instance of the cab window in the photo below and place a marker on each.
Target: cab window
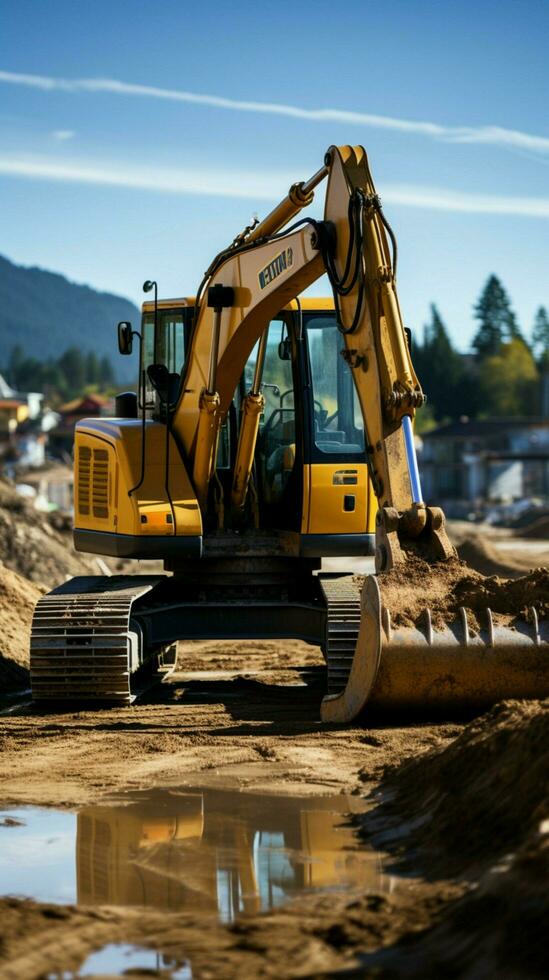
(338, 425)
(167, 347)
(276, 442)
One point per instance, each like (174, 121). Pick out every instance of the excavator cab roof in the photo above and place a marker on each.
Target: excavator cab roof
(307, 303)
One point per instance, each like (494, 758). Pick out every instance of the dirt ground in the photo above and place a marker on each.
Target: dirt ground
(252, 719)
(461, 807)
(256, 712)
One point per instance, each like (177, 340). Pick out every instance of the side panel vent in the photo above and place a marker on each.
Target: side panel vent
(84, 480)
(100, 483)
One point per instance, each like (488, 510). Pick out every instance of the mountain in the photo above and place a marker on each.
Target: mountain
(45, 314)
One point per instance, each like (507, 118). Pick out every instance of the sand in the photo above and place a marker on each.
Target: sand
(36, 545)
(537, 529)
(18, 597)
(446, 586)
(478, 812)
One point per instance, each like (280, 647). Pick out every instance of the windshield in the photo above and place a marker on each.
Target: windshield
(338, 425)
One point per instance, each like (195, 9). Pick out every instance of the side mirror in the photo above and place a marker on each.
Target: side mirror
(125, 339)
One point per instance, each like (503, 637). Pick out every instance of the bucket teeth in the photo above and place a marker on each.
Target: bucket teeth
(429, 666)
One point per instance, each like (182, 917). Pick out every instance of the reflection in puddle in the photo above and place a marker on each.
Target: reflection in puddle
(209, 850)
(120, 959)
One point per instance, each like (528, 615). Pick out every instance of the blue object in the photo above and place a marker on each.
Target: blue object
(412, 460)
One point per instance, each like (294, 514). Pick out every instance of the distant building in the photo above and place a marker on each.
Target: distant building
(470, 462)
(17, 406)
(22, 439)
(61, 438)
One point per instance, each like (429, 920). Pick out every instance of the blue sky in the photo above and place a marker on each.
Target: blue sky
(113, 170)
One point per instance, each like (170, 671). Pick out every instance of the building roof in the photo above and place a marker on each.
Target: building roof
(83, 404)
(484, 427)
(11, 403)
(5, 390)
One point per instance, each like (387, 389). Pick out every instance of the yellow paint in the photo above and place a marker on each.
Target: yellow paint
(323, 511)
(121, 440)
(319, 303)
(182, 302)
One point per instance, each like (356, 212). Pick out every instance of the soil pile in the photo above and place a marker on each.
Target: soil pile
(481, 555)
(446, 586)
(497, 929)
(538, 529)
(482, 795)
(32, 545)
(479, 810)
(17, 600)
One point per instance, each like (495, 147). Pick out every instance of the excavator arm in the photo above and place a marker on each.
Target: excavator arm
(258, 275)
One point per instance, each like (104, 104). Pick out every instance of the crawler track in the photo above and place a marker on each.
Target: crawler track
(83, 646)
(342, 624)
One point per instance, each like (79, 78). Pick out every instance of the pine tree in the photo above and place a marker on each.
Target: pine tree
(73, 366)
(498, 323)
(106, 373)
(440, 368)
(17, 358)
(92, 368)
(540, 336)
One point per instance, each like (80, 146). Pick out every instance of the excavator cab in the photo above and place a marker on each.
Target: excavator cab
(164, 340)
(310, 434)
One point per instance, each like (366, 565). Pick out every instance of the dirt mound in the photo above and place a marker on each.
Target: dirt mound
(497, 929)
(481, 796)
(446, 586)
(17, 600)
(538, 529)
(35, 545)
(483, 557)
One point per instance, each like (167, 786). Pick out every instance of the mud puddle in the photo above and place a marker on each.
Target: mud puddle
(120, 958)
(206, 850)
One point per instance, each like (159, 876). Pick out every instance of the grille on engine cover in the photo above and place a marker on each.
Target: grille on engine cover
(100, 483)
(93, 482)
(84, 479)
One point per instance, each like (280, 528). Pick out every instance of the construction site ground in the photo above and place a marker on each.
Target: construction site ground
(458, 808)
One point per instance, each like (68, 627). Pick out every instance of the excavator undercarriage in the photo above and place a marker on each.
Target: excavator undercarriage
(103, 640)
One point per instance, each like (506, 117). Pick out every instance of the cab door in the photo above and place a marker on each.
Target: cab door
(279, 451)
(338, 498)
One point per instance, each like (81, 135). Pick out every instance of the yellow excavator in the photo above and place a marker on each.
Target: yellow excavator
(269, 432)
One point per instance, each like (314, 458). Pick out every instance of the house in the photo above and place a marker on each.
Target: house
(16, 407)
(31, 440)
(61, 438)
(479, 460)
(21, 433)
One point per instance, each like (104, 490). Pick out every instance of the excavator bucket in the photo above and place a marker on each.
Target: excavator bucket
(440, 666)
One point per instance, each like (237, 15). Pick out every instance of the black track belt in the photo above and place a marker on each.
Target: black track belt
(342, 596)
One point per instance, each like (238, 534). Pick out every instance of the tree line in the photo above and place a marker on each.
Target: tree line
(501, 376)
(61, 378)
